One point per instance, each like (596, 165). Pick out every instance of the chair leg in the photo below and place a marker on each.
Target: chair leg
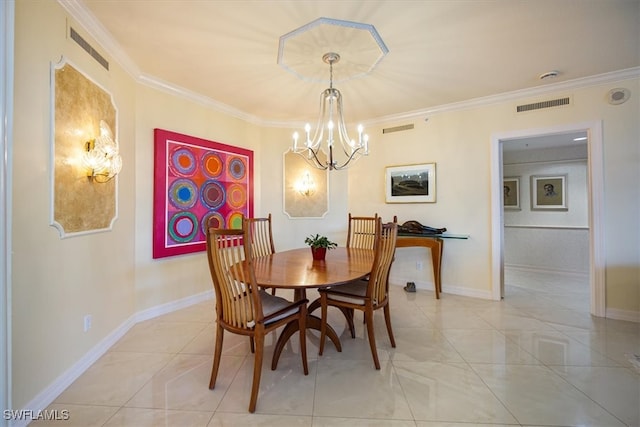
(303, 339)
(252, 345)
(372, 337)
(257, 371)
(350, 317)
(387, 320)
(323, 322)
(217, 353)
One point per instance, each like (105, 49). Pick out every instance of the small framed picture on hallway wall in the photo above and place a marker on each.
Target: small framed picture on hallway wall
(511, 193)
(549, 192)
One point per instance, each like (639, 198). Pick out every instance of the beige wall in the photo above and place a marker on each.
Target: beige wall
(57, 281)
(164, 280)
(113, 276)
(460, 144)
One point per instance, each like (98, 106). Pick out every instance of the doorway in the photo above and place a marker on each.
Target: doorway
(593, 131)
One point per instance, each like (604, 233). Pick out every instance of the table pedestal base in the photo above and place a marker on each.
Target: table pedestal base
(313, 322)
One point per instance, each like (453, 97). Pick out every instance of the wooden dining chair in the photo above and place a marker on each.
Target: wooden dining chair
(361, 234)
(366, 295)
(361, 231)
(241, 307)
(261, 235)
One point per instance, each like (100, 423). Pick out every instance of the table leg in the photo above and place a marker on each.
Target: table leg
(435, 245)
(313, 322)
(348, 315)
(436, 260)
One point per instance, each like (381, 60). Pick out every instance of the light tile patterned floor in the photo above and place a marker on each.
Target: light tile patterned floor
(536, 359)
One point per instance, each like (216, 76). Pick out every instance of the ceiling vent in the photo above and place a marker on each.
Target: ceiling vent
(86, 46)
(398, 128)
(543, 104)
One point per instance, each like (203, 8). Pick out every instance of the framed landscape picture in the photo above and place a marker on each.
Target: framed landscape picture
(549, 192)
(511, 193)
(410, 183)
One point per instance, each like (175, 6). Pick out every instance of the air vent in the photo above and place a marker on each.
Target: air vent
(398, 128)
(90, 50)
(543, 104)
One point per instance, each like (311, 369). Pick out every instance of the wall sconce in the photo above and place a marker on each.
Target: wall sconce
(306, 186)
(101, 158)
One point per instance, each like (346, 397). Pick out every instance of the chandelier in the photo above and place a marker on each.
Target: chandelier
(342, 151)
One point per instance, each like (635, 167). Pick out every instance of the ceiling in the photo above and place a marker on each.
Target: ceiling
(440, 53)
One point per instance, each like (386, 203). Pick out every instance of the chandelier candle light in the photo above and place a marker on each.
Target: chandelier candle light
(330, 110)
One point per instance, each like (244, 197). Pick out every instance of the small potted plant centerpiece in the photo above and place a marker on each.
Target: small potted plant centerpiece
(319, 246)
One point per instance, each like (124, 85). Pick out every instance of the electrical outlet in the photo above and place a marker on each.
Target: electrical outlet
(87, 322)
(419, 265)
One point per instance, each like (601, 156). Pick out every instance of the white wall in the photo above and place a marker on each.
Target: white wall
(548, 240)
(559, 250)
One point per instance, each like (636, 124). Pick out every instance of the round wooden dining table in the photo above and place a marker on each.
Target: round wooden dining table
(296, 269)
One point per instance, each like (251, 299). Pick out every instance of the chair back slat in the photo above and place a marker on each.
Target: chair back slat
(362, 232)
(237, 301)
(378, 288)
(261, 236)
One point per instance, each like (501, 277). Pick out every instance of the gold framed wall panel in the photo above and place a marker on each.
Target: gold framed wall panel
(295, 204)
(79, 205)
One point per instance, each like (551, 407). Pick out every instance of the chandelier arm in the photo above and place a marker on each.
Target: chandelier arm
(312, 159)
(351, 157)
(345, 141)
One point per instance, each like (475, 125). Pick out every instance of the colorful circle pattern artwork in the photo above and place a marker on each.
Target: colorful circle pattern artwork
(212, 165)
(236, 196)
(213, 194)
(183, 193)
(182, 162)
(234, 220)
(212, 219)
(204, 187)
(237, 168)
(183, 226)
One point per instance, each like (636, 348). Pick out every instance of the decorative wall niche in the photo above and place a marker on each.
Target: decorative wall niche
(306, 189)
(79, 205)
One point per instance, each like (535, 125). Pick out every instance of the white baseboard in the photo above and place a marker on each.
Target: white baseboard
(467, 292)
(50, 393)
(535, 269)
(172, 306)
(628, 315)
(446, 289)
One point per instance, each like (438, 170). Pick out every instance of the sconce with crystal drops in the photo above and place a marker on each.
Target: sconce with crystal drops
(101, 159)
(306, 186)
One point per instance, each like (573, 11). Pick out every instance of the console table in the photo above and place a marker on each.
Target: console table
(435, 242)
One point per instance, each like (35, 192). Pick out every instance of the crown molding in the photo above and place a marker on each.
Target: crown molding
(599, 79)
(91, 25)
(205, 101)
